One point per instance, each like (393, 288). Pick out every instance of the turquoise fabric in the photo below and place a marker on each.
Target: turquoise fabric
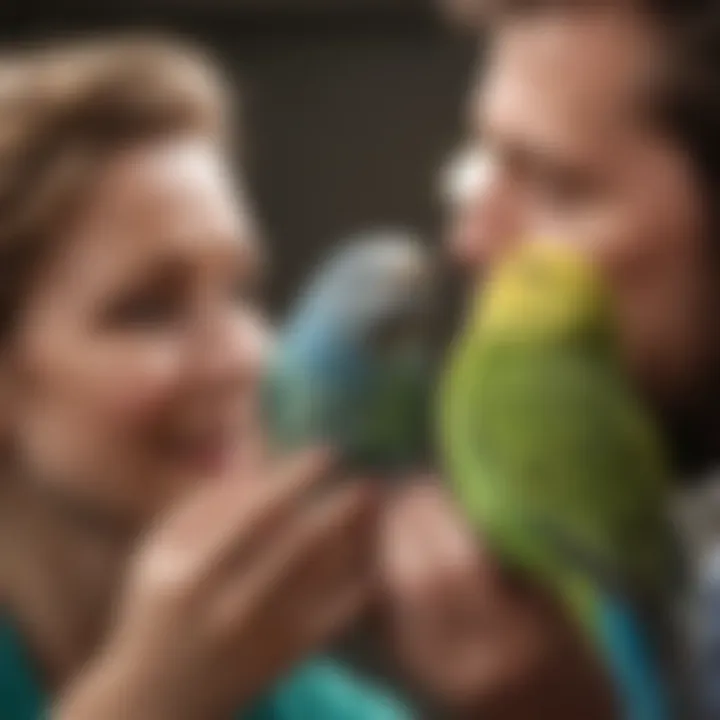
(320, 690)
(20, 697)
(633, 664)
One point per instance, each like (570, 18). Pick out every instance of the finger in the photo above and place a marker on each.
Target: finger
(334, 616)
(434, 576)
(410, 538)
(401, 555)
(455, 561)
(328, 618)
(436, 546)
(284, 638)
(444, 530)
(227, 520)
(350, 554)
(294, 479)
(290, 555)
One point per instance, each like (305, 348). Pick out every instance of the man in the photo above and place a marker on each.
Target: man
(599, 124)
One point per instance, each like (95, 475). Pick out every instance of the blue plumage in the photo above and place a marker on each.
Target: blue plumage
(352, 364)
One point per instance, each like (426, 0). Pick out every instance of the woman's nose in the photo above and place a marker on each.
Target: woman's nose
(233, 349)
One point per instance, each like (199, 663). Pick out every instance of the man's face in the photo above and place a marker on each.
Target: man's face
(564, 149)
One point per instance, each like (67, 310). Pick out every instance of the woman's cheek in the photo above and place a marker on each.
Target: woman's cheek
(138, 384)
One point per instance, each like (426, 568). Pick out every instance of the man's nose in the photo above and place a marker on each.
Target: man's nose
(485, 215)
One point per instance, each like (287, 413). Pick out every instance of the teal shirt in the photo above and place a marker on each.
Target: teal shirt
(320, 690)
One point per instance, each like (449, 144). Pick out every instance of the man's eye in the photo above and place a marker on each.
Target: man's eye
(565, 188)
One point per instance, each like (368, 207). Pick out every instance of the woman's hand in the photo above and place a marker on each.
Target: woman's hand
(478, 641)
(237, 584)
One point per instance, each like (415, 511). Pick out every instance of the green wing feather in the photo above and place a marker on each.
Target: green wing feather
(557, 437)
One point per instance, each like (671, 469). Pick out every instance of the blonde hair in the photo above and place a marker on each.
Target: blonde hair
(63, 111)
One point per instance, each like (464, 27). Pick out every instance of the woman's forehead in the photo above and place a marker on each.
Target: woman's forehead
(176, 201)
(158, 176)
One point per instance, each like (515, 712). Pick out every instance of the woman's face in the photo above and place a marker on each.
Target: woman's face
(134, 370)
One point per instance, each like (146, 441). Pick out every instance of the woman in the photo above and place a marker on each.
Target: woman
(153, 563)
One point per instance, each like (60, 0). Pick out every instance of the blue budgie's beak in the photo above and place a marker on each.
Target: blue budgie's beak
(371, 289)
(393, 298)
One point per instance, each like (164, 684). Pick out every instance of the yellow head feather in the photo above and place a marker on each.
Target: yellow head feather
(546, 290)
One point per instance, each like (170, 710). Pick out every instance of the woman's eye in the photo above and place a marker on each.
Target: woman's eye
(150, 310)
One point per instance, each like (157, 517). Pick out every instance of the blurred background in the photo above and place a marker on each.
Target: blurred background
(326, 85)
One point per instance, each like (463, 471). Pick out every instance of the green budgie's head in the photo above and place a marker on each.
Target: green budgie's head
(547, 292)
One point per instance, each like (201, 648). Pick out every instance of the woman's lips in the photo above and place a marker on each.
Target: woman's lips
(211, 456)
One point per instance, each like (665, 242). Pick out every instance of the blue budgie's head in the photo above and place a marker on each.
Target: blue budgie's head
(355, 350)
(372, 294)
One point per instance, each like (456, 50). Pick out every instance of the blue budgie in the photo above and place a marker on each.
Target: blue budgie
(352, 366)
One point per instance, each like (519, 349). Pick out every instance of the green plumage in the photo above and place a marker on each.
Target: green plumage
(546, 445)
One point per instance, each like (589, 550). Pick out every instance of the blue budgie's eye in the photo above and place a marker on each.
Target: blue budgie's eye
(386, 335)
(396, 333)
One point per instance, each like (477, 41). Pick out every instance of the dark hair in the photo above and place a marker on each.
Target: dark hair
(63, 110)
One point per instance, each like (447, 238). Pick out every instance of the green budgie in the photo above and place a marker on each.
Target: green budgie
(352, 364)
(556, 462)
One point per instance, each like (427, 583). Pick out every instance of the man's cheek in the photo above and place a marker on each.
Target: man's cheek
(655, 286)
